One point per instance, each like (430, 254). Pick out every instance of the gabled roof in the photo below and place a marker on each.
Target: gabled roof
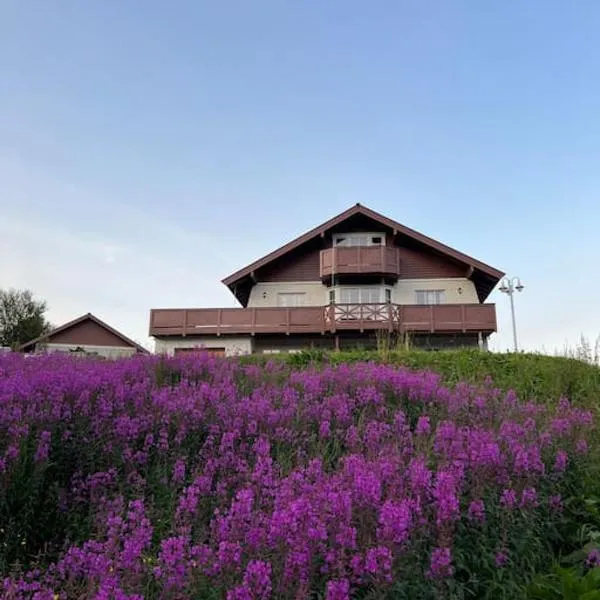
(490, 273)
(87, 317)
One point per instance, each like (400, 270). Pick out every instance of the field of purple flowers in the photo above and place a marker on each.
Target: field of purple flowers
(200, 477)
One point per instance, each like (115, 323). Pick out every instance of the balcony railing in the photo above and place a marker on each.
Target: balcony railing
(357, 260)
(324, 319)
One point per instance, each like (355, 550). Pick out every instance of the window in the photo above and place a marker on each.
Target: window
(290, 299)
(362, 295)
(430, 296)
(359, 239)
(388, 295)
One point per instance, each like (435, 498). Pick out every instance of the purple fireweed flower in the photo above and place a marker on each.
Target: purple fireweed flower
(529, 497)
(508, 498)
(501, 558)
(419, 475)
(423, 426)
(257, 579)
(581, 446)
(240, 592)
(395, 520)
(477, 511)
(560, 463)
(555, 503)
(378, 562)
(440, 565)
(338, 590)
(445, 493)
(324, 430)
(178, 472)
(43, 448)
(593, 558)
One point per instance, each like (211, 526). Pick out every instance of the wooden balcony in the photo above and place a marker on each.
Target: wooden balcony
(360, 260)
(440, 318)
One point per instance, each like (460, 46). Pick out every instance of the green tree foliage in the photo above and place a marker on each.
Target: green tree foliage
(21, 317)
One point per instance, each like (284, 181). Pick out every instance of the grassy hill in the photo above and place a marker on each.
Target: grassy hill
(531, 376)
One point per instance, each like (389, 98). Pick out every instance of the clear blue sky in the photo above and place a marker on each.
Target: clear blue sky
(148, 149)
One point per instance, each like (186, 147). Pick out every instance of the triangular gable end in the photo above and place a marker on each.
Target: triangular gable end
(484, 276)
(85, 330)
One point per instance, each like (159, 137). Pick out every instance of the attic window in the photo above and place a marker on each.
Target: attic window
(359, 239)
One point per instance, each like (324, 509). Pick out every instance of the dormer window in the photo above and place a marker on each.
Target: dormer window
(359, 239)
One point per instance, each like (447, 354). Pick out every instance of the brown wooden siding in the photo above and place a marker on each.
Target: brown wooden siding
(422, 264)
(87, 333)
(304, 263)
(300, 265)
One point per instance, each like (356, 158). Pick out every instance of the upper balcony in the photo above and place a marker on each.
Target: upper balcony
(360, 260)
(440, 318)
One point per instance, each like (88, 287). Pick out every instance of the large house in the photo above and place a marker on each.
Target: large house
(85, 335)
(356, 280)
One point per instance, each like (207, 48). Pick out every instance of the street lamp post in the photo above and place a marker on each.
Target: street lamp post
(509, 285)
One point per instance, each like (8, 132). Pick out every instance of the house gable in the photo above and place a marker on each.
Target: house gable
(420, 256)
(87, 333)
(86, 330)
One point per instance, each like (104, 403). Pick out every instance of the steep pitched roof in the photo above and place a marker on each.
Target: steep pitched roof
(490, 274)
(87, 317)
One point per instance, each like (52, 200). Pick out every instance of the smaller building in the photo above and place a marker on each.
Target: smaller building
(85, 335)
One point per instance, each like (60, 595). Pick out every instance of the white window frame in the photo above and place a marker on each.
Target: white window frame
(291, 299)
(429, 297)
(363, 294)
(345, 240)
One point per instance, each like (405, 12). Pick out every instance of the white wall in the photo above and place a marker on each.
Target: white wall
(265, 294)
(106, 351)
(404, 292)
(233, 345)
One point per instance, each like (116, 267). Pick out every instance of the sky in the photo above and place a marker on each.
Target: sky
(149, 149)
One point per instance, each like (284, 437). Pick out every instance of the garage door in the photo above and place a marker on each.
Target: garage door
(216, 351)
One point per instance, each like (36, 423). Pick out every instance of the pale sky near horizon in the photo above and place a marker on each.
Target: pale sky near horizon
(147, 150)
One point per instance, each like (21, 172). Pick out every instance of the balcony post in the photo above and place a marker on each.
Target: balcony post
(400, 318)
(219, 320)
(287, 321)
(431, 319)
(253, 326)
(463, 318)
(184, 326)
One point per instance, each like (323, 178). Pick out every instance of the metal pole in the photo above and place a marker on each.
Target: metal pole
(509, 286)
(514, 323)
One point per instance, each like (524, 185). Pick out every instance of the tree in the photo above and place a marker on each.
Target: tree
(21, 317)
